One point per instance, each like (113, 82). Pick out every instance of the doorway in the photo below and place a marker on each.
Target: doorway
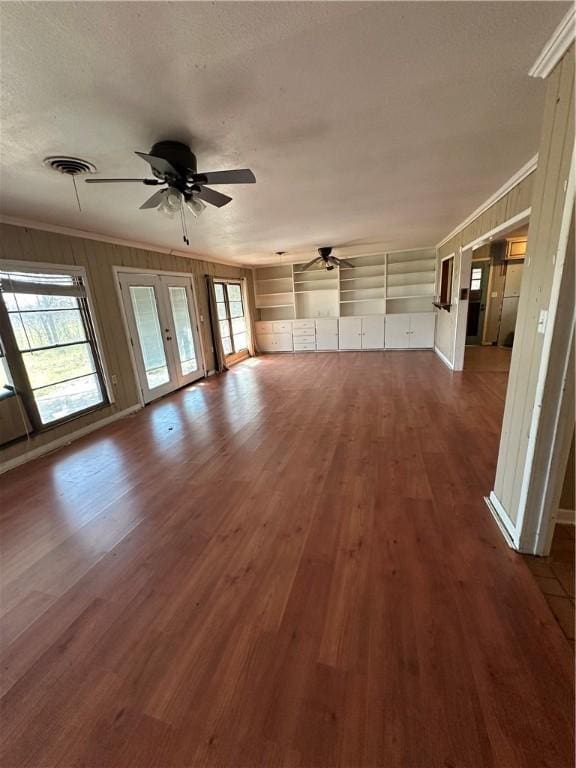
(163, 331)
(477, 302)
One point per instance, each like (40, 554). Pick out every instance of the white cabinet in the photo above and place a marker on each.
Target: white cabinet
(410, 331)
(422, 330)
(373, 332)
(274, 336)
(361, 332)
(327, 333)
(350, 333)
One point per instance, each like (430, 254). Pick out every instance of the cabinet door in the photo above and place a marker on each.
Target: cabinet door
(373, 332)
(283, 342)
(397, 332)
(266, 342)
(350, 332)
(327, 333)
(422, 330)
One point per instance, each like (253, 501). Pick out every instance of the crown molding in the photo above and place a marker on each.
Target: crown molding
(512, 182)
(556, 47)
(59, 230)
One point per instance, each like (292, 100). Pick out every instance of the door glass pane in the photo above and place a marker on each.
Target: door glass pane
(238, 325)
(224, 329)
(149, 334)
(240, 342)
(219, 289)
(236, 309)
(227, 345)
(183, 329)
(234, 292)
(221, 309)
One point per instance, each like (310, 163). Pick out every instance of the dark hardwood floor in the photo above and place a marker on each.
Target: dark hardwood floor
(288, 565)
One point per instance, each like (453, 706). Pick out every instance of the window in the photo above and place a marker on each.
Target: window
(50, 344)
(230, 308)
(446, 283)
(476, 279)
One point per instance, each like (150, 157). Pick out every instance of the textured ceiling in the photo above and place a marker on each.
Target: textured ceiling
(378, 123)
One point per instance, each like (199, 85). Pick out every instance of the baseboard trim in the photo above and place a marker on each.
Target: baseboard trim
(566, 517)
(60, 442)
(444, 359)
(502, 519)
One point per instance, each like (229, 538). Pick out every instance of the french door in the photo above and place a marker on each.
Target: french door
(163, 331)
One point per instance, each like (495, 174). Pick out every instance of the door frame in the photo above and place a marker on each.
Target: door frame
(116, 271)
(464, 281)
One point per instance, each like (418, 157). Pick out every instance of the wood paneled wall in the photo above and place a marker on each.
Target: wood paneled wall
(548, 203)
(99, 258)
(514, 202)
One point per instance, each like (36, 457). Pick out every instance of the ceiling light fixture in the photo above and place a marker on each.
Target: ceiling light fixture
(195, 206)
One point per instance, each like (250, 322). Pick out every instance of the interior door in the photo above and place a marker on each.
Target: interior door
(373, 332)
(163, 331)
(477, 302)
(397, 331)
(350, 332)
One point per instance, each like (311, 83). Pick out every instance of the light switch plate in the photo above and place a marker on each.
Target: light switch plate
(542, 320)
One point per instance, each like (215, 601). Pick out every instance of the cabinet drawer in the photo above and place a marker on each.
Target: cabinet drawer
(281, 326)
(264, 326)
(300, 325)
(302, 345)
(304, 332)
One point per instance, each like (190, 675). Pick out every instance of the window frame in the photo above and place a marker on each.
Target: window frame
(14, 356)
(225, 282)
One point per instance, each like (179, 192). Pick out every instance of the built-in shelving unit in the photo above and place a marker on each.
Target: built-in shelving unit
(377, 284)
(410, 281)
(274, 291)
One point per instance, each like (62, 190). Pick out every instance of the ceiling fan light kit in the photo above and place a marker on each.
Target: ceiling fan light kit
(174, 164)
(326, 261)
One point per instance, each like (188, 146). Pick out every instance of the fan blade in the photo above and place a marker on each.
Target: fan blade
(311, 263)
(150, 182)
(155, 200)
(241, 176)
(160, 165)
(213, 197)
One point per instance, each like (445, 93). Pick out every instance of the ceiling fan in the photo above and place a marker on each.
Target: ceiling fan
(173, 165)
(326, 260)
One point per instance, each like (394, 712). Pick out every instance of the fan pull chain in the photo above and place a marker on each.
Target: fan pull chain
(184, 228)
(76, 191)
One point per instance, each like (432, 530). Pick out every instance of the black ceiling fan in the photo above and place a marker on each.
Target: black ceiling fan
(173, 165)
(326, 260)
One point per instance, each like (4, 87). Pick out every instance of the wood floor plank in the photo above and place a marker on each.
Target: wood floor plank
(290, 565)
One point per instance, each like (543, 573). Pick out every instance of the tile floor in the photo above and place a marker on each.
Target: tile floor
(555, 576)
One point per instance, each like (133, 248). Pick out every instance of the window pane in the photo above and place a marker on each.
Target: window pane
(68, 397)
(47, 329)
(238, 325)
(227, 345)
(240, 341)
(5, 380)
(476, 273)
(236, 309)
(219, 289)
(234, 292)
(28, 301)
(150, 335)
(224, 328)
(49, 366)
(221, 311)
(475, 285)
(183, 329)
